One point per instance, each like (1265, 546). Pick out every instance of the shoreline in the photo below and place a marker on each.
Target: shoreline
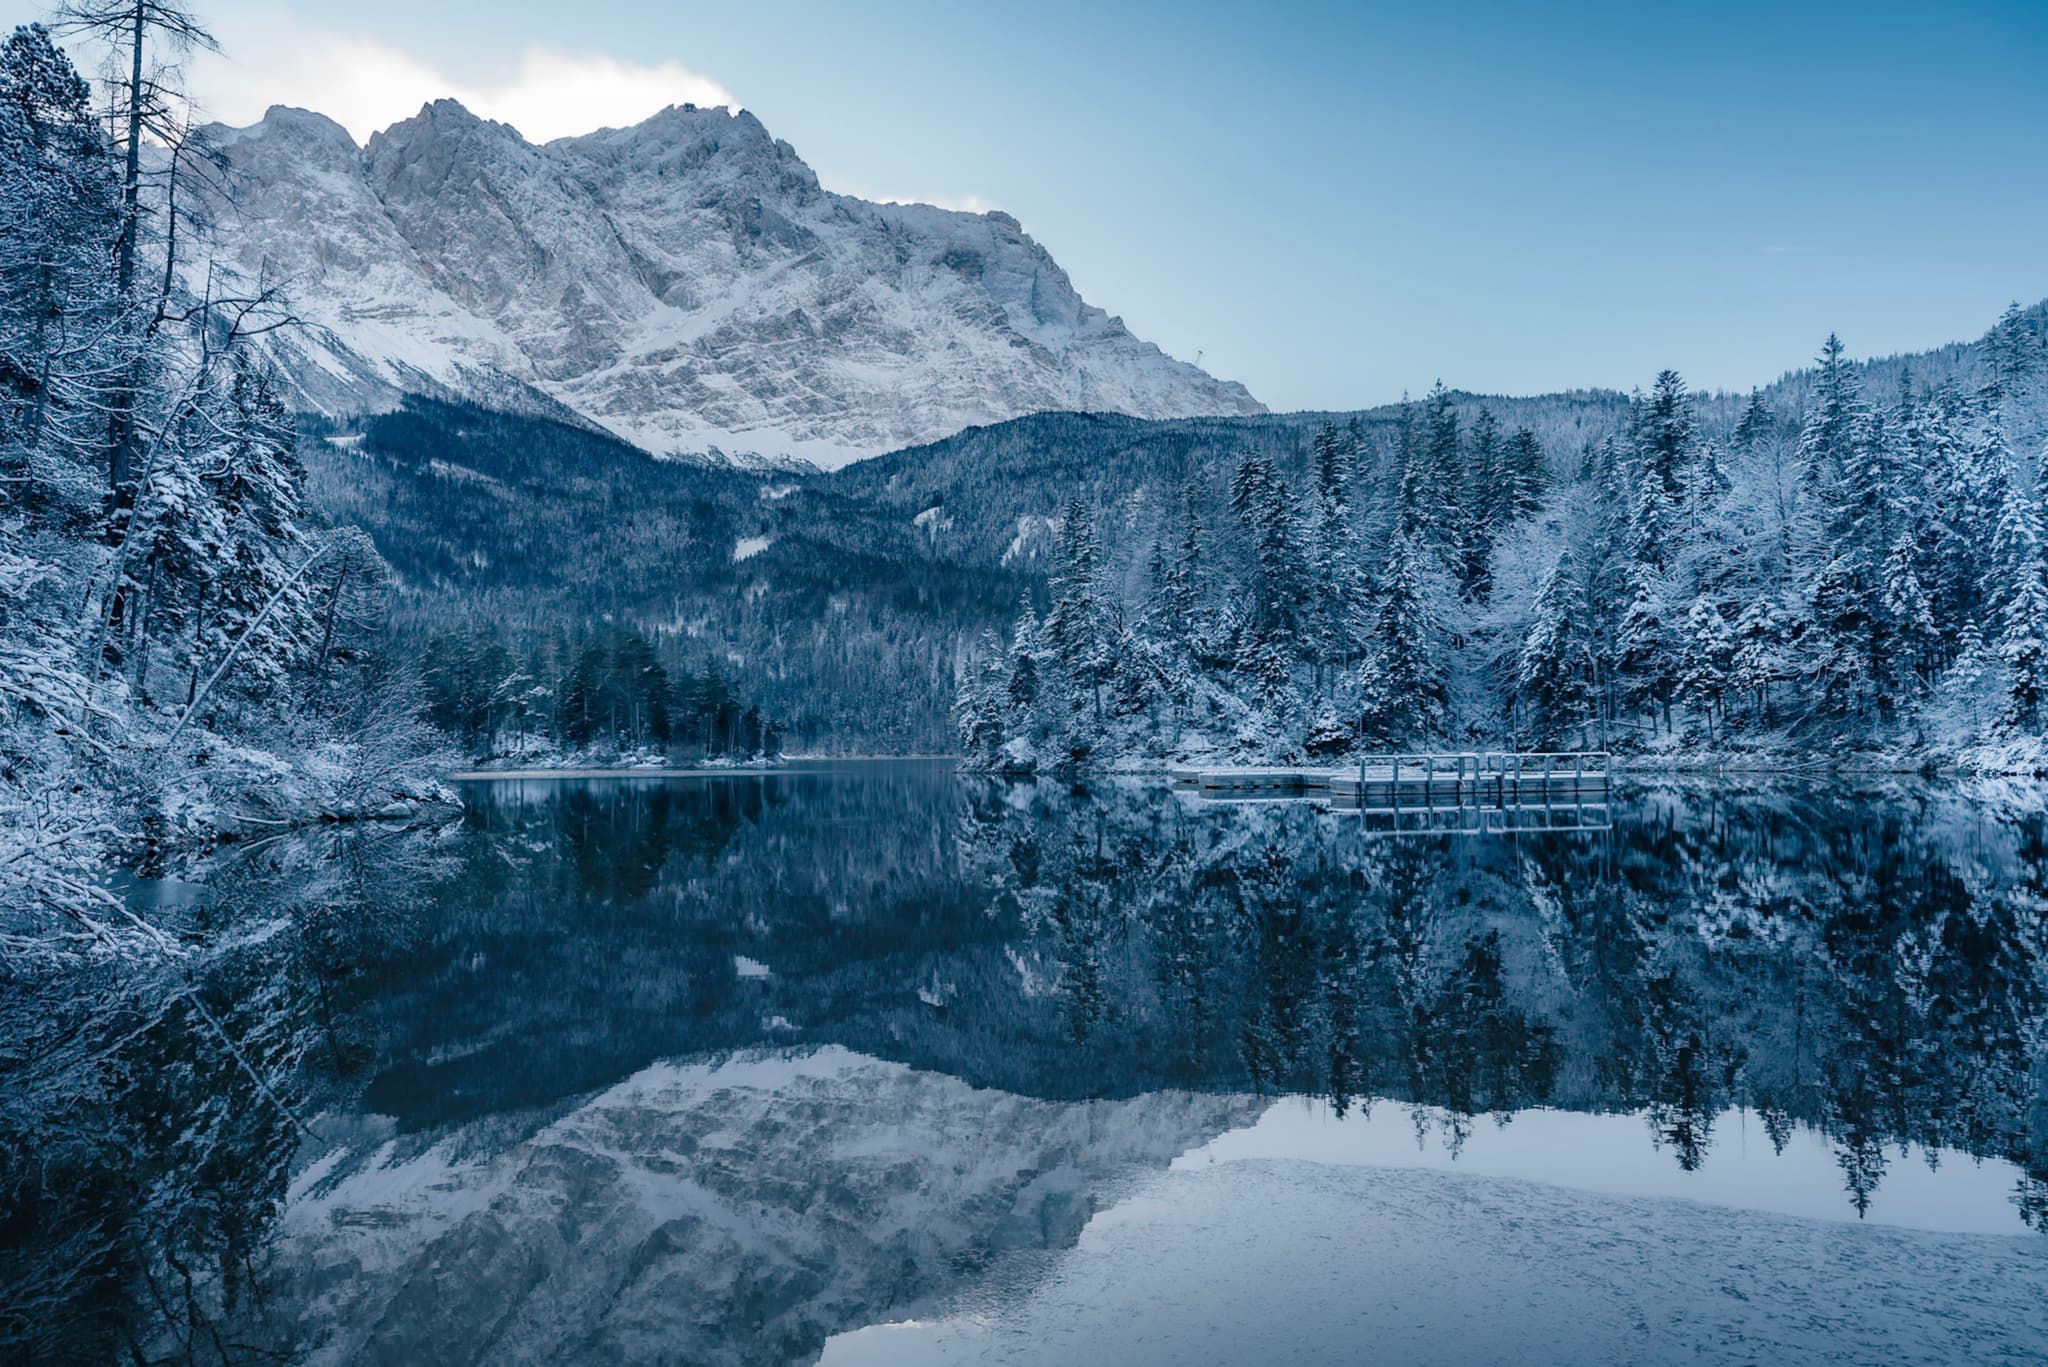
(783, 766)
(1636, 768)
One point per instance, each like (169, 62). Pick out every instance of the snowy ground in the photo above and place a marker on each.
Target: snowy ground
(1280, 1261)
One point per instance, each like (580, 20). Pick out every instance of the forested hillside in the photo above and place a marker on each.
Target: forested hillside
(1275, 586)
(831, 616)
(1849, 561)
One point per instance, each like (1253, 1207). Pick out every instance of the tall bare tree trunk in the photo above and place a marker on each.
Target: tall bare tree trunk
(121, 420)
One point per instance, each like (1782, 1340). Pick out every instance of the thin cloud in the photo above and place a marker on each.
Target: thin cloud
(365, 86)
(966, 204)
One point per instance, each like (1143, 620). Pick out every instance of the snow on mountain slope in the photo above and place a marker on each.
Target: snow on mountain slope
(685, 283)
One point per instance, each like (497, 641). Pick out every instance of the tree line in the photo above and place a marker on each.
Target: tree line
(1869, 569)
(610, 691)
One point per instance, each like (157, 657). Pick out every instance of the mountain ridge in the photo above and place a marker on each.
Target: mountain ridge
(685, 283)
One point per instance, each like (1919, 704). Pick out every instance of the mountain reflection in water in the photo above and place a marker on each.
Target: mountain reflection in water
(711, 1070)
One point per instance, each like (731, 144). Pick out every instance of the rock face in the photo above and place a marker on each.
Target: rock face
(685, 283)
(739, 1213)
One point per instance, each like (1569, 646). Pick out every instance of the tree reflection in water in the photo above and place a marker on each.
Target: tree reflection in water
(1867, 966)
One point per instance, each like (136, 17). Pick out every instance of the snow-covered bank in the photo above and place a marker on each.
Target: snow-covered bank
(1274, 1261)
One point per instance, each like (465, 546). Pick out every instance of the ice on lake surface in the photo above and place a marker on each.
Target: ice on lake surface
(879, 1064)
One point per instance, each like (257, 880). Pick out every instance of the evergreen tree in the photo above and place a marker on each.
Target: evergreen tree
(1759, 659)
(1185, 586)
(1646, 657)
(1911, 617)
(1444, 518)
(1665, 435)
(1845, 636)
(1489, 501)
(1021, 686)
(58, 218)
(1756, 426)
(983, 704)
(1076, 632)
(1526, 476)
(2023, 645)
(1832, 423)
(1280, 587)
(1650, 519)
(1402, 680)
(2014, 353)
(2016, 544)
(1555, 677)
(1707, 658)
(1336, 562)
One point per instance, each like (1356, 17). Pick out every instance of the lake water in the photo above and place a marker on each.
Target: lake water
(878, 1064)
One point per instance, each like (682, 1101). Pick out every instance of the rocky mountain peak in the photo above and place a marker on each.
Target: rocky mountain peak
(685, 282)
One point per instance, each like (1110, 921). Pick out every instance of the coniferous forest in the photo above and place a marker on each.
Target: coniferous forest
(1852, 563)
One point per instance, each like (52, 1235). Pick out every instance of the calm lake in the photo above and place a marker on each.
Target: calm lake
(880, 1064)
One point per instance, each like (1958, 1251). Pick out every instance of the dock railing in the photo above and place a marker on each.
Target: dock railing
(1470, 777)
(1512, 774)
(1423, 769)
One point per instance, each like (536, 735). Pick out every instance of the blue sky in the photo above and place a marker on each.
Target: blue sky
(1336, 203)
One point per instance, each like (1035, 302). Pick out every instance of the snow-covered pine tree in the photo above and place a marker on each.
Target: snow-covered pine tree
(1665, 435)
(1759, 659)
(2016, 541)
(1076, 633)
(1958, 511)
(1336, 567)
(1401, 685)
(1527, 476)
(1021, 681)
(1488, 503)
(1833, 423)
(1842, 643)
(1280, 578)
(1443, 458)
(1555, 674)
(2014, 353)
(258, 483)
(59, 216)
(1909, 617)
(1706, 659)
(1417, 500)
(1756, 426)
(2023, 644)
(1646, 649)
(983, 704)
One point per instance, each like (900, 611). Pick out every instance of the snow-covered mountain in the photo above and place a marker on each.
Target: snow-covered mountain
(685, 283)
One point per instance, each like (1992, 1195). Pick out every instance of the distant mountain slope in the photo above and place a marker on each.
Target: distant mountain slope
(685, 284)
(996, 487)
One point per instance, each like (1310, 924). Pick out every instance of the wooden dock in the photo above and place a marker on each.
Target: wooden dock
(1419, 781)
